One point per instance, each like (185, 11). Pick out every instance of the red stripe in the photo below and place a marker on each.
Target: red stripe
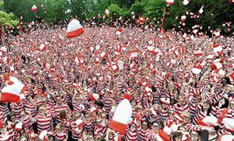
(9, 97)
(75, 33)
(117, 126)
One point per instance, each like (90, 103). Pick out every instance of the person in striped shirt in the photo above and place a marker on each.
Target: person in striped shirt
(60, 133)
(44, 120)
(131, 133)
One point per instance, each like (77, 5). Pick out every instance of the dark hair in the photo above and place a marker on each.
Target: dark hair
(225, 81)
(225, 105)
(204, 135)
(175, 135)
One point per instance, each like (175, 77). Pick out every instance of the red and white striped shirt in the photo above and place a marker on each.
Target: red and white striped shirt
(27, 121)
(180, 109)
(3, 116)
(99, 130)
(4, 108)
(131, 136)
(60, 136)
(60, 108)
(44, 122)
(16, 109)
(30, 107)
(76, 132)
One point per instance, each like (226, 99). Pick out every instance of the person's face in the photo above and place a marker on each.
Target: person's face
(178, 138)
(232, 105)
(110, 135)
(155, 128)
(58, 99)
(205, 106)
(221, 102)
(195, 136)
(133, 128)
(144, 125)
(224, 81)
(212, 131)
(182, 100)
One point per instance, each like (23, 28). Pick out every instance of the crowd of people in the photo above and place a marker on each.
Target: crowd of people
(173, 81)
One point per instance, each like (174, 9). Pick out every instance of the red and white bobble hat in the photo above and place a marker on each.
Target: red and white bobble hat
(74, 29)
(197, 69)
(209, 121)
(119, 31)
(13, 90)
(170, 2)
(165, 101)
(226, 138)
(93, 96)
(34, 8)
(120, 121)
(216, 65)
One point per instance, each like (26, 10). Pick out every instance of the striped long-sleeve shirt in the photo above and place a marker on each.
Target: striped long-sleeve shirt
(44, 122)
(4, 108)
(32, 108)
(16, 109)
(99, 130)
(107, 104)
(131, 135)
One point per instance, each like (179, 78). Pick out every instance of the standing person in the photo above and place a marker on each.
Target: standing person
(16, 108)
(60, 133)
(44, 120)
(132, 133)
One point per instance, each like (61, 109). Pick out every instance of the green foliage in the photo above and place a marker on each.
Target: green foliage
(138, 8)
(20, 8)
(1, 4)
(115, 11)
(52, 10)
(5, 18)
(216, 12)
(154, 9)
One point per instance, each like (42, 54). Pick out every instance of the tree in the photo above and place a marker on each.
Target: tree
(7, 19)
(115, 11)
(21, 8)
(138, 8)
(216, 13)
(154, 9)
(53, 10)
